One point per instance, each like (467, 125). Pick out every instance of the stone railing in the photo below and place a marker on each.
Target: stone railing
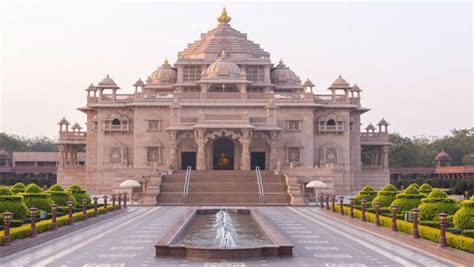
(372, 168)
(455, 169)
(73, 135)
(330, 99)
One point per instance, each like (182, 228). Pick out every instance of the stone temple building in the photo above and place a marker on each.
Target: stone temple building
(223, 109)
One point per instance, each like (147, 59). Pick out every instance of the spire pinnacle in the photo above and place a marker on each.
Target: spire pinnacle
(166, 61)
(224, 18)
(223, 54)
(280, 62)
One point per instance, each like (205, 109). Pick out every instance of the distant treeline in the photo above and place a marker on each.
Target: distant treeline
(12, 143)
(420, 151)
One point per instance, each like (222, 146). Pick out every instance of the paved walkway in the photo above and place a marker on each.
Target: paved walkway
(128, 240)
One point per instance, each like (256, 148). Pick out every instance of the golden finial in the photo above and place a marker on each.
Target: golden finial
(166, 61)
(280, 62)
(223, 54)
(223, 18)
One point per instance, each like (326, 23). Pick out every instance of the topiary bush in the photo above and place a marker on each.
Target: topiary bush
(408, 199)
(415, 185)
(385, 196)
(61, 197)
(464, 216)
(425, 188)
(436, 202)
(35, 198)
(79, 194)
(18, 188)
(367, 193)
(12, 203)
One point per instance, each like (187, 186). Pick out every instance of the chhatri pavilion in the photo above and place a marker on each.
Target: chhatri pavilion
(223, 110)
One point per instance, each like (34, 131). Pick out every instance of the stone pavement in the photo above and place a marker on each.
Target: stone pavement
(129, 240)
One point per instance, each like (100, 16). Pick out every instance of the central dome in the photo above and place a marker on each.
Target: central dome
(223, 68)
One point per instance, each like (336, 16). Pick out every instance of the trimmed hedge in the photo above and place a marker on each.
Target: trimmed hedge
(79, 194)
(408, 199)
(18, 188)
(35, 198)
(464, 216)
(468, 233)
(45, 225)
(14, 204)
(455, 241)
(5, 191)
(436, 203)
(56, 187)
(367, 193)
(60, 196)
(425, 189)
(385, 196)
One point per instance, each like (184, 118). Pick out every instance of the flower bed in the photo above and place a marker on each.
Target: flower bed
(464, 243)
(45, 225)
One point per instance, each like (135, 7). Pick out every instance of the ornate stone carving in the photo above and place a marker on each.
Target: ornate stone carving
(331, 153)
(201, 143)
(115, 154)
(223, 133)
(173, 159)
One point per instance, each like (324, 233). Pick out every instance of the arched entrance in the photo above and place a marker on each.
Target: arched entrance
(223, 154)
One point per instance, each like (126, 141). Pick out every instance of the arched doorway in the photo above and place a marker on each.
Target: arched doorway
(223, 154)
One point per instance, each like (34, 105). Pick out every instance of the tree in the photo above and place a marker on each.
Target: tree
(26, 144)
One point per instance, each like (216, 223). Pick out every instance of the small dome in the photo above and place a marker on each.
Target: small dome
(63, 121)
(163, 75)
(76, 126)
(308, 83)
(107, 83)
(283, 75)
(91, 88)
(443, 156)
(139, 83)
(370, 127)
(355, 88)
(340, 83)
(223, 68)
(4, 153)
(383, 122)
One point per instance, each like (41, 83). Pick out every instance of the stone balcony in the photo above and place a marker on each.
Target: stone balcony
(72, 138)
(374, 138)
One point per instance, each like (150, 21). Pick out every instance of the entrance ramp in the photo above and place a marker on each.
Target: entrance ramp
(223, 188)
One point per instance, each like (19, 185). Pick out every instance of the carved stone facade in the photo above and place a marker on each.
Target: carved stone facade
(223, 105)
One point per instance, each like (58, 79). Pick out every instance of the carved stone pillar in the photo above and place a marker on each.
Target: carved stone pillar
(273, 150)
(200, 157)
(385, 157)
(173, 160)
(245, 162)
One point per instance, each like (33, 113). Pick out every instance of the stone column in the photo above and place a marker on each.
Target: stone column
(200, 157)
(245, 162)
(173, 160)
(273, 150)
(385, 157)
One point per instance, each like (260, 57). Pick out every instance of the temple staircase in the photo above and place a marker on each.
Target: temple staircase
(223, 188)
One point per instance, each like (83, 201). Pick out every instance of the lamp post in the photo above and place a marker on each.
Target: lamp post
(69, 213)
(333, 200)
(327, 201)
(105, 203)
(7, 219)
(84, 209)
(113, 201)
(33, 222)
(54, 225)
(414, 213)
(442, 229)
(95, 205)
(377, 213)
(394, 217)
(341, 205)
(362, 208)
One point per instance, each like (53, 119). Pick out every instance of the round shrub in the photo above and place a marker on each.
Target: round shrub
(367, 193)
(13, 204)
(79, 194)
(35, 198)
(56, 188)
(425, 188)
(408, 199)
(436, 202)
(18, 188)
(464, 216)
(5, 191)
(385, 196)
(415, 185)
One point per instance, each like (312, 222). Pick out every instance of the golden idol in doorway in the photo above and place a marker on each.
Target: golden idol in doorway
(223, 160)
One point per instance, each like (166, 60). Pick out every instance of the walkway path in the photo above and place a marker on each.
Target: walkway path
(127, 240)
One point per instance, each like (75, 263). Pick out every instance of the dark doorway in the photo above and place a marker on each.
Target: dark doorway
(188, 159)
(223, 154)
(257, 159)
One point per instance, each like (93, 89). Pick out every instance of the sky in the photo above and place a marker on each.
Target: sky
(413, 60)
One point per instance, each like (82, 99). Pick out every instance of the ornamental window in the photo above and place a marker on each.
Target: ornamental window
(192, 73)
(293, 154)
(153, 154)
(293, 125)
(154, 125)
(330, 125)
(116, 123)
(255, 73)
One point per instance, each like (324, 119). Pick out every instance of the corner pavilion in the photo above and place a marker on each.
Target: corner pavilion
(224, 106)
